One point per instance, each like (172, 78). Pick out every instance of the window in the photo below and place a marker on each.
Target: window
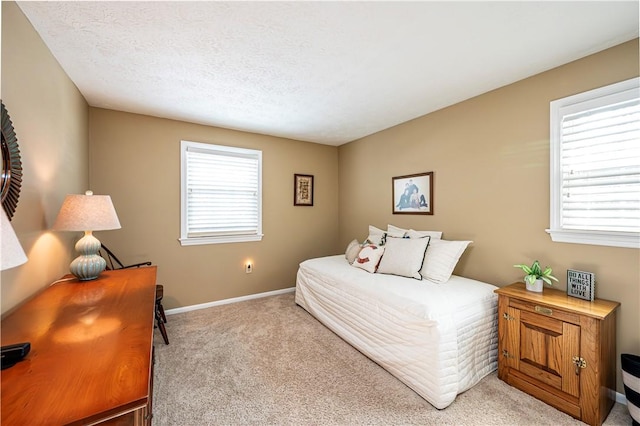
(221, 194)
(595, 167)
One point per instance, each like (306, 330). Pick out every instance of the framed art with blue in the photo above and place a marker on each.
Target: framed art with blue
(413, 194)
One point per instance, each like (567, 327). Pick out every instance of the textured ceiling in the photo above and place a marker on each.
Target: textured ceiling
(325, 72)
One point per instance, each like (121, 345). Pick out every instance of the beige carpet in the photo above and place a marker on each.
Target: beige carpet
(268, 362)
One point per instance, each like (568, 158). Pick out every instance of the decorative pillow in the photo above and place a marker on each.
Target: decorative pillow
(395, 232)
(352, 251)
(376, 236)
(369, 257)
(404, 257)
(412, 233)
(441, 258)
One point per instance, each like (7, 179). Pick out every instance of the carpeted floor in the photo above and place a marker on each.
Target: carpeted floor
(268, 362)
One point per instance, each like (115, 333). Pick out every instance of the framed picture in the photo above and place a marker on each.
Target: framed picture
(302, 190)
(581, 284)
(413, 194)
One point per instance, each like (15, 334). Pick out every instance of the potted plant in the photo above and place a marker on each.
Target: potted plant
(536, 276)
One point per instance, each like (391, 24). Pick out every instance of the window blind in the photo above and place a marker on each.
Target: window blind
(600, 168)
(222, 192)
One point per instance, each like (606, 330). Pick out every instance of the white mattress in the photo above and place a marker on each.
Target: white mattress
(438, 339)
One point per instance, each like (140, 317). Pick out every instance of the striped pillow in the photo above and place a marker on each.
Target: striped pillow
(441, 259)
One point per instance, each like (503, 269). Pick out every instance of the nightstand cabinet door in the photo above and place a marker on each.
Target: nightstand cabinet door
(547, 347)
(558, 349)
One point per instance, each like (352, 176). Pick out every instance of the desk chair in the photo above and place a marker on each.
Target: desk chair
(114, 263)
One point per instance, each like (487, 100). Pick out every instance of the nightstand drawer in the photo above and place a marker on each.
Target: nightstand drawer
(546, 310)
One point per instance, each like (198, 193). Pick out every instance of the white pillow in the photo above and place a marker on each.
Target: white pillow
(352, 251)
(441, 259)
(403, 256)
(376, 236)
(411, 233)
(394, 231)
(369, 257)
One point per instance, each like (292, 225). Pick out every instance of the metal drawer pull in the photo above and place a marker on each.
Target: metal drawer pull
(542, 310)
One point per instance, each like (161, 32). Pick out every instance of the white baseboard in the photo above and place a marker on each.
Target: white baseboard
(227, 301)
(620, 398)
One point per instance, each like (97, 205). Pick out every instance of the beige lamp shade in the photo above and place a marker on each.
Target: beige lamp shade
(11, 253)
(87, 213)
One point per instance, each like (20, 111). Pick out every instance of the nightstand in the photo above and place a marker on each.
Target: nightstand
(559, 349)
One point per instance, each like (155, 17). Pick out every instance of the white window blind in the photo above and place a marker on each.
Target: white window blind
(221, 194)
(595, 167)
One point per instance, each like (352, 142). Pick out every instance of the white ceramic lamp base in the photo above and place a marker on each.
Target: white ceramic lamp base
(89, 264)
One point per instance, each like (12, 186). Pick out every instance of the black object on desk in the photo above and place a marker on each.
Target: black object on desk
(14, 353)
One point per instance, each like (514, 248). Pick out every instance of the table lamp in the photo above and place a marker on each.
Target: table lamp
(87, 213)
(11, 255)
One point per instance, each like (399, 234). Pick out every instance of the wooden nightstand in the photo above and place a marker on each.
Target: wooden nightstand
(559, 349)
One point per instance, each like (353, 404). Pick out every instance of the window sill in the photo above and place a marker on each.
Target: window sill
(599, 238)
(195, 241)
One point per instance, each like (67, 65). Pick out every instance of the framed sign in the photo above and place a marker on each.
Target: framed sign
(413, 194)
(302, 190)
(581, 284)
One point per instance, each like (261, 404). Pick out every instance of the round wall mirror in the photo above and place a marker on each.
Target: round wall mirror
(11, 178)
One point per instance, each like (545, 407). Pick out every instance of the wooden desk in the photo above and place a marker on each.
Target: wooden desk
(91, 349)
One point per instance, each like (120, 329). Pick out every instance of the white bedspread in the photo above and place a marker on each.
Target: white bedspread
(438, 339)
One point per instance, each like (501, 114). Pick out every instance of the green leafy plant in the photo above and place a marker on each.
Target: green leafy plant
(535, 272)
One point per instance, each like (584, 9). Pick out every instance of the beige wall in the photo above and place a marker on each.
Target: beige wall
(490, 158)
(136, 160)
(50, 118)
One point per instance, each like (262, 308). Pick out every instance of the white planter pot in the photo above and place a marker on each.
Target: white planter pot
(536, 286)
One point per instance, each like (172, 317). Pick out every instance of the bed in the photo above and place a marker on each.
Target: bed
(440, 339)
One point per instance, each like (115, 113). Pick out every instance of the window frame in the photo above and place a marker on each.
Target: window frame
(185, 239)
(589, 99)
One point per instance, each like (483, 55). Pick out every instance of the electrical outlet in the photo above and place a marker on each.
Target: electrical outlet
(248, 268)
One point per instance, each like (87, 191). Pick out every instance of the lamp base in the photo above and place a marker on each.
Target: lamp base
(87, 268)
(89, 264)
